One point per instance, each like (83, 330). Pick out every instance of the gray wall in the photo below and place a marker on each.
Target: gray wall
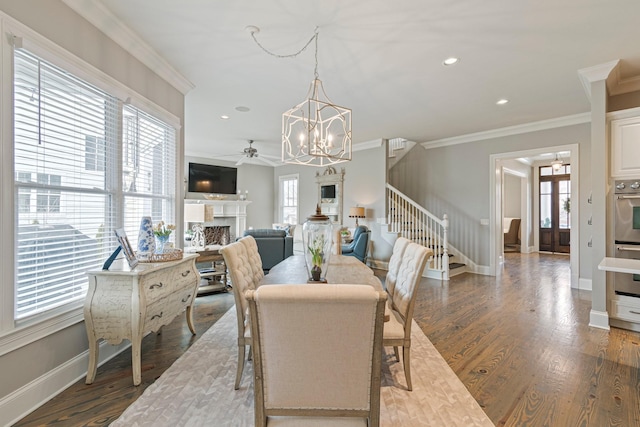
(455, 180)
(54, 20)
(256, 179)
(364, 185)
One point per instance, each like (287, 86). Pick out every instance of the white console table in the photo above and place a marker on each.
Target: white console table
(124, 303)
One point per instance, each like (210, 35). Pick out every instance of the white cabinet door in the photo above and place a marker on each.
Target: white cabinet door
(625, 147)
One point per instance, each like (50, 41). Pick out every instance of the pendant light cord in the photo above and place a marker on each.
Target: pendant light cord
(292, 55)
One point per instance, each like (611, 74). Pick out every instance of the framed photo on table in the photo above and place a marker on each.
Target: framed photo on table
(129, 254)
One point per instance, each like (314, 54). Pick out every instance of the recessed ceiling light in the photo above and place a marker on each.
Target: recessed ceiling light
(450, 61)
(243, 109)
(224, 117)
(502, 101)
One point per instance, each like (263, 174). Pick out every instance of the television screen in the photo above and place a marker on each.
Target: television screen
(212, 179)
(328, 192)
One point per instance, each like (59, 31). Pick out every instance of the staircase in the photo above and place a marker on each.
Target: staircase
(405, 218)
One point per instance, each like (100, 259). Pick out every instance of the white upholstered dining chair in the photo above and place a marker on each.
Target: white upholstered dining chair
(243, 278)
(250, 244)
(317, 354)
(394, 263)
(402, 297)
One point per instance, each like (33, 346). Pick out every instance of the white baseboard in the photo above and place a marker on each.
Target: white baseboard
(584, 284)
(599, 319)
(30, 397)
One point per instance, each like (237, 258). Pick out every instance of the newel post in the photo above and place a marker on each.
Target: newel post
(445, 246)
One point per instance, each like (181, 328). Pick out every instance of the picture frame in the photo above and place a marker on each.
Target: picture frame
(129, 254)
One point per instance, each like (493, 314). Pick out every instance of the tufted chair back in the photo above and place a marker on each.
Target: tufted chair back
(242, 275)
(394, 263)
(409, 276)
(298, 377)
(254, 258)
(402, 295)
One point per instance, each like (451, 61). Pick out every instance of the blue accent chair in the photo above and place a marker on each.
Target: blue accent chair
(358, 247)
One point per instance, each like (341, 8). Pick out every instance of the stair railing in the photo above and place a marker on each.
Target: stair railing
(417, 224)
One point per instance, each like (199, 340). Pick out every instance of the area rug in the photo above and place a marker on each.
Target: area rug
(197, 390)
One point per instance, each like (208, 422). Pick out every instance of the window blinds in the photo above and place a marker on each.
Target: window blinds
(67, 136)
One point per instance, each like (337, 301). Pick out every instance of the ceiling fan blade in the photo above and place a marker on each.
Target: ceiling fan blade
(241, 161)
(267, 161)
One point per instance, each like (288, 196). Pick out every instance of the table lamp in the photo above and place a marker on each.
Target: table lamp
(356, 212)
(194, 212)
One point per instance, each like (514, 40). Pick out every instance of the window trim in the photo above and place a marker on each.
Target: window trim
(15, 334)
(281, 180)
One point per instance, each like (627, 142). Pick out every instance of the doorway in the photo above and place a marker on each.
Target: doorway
(496, 231)
(555, 208)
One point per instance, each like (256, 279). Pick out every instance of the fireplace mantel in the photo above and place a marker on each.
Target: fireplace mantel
(225, 209)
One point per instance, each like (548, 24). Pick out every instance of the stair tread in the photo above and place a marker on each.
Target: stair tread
(455, 265)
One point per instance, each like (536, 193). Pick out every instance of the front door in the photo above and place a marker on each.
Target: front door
(555, 208)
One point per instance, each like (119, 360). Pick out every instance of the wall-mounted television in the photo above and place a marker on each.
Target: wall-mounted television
(328, 192)
(212, 179)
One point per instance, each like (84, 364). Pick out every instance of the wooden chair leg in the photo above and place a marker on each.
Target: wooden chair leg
(250, 352)
(395, 350)
(241, 350)
(407, 366)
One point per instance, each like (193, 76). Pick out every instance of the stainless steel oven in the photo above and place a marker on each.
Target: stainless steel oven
(627, 233)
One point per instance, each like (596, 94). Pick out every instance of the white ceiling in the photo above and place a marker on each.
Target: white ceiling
(383, 59)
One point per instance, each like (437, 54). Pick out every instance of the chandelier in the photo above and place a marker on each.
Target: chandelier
(315, 132)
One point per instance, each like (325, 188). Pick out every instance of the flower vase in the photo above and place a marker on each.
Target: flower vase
(146, 239)
(316, 240)
(162, 240)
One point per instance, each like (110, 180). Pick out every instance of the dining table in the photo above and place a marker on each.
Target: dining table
(342, 270)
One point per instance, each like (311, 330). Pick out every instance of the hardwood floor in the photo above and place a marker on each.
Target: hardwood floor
(113, 391)
(519, 342)
(522, 346)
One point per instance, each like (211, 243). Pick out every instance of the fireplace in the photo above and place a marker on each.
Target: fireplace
(217, 235)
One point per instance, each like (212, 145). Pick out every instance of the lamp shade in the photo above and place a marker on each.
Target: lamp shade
(193, 212)
(356, 212)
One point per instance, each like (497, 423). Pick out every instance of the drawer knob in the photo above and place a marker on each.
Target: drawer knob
(185, 299)
(156, 316)
(156, 285)
(186, 273)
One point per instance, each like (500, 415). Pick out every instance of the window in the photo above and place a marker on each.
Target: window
(289, 199)
(149, 169)
(66, 139)
(94, 151)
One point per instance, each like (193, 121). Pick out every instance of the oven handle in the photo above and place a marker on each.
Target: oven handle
(629, 248)
(628, 197)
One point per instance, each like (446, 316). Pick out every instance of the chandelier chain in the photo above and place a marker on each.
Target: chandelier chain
(293, 55)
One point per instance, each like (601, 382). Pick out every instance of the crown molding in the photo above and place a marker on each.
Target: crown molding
(102, 18)
(511, 130)
(597, 73)
(367, 145)
(619, 85)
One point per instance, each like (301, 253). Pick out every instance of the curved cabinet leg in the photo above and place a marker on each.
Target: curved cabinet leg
(189, 314)
(93, 359)
(136, 347)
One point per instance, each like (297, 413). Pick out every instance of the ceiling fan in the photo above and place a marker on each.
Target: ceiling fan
(251, 153)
